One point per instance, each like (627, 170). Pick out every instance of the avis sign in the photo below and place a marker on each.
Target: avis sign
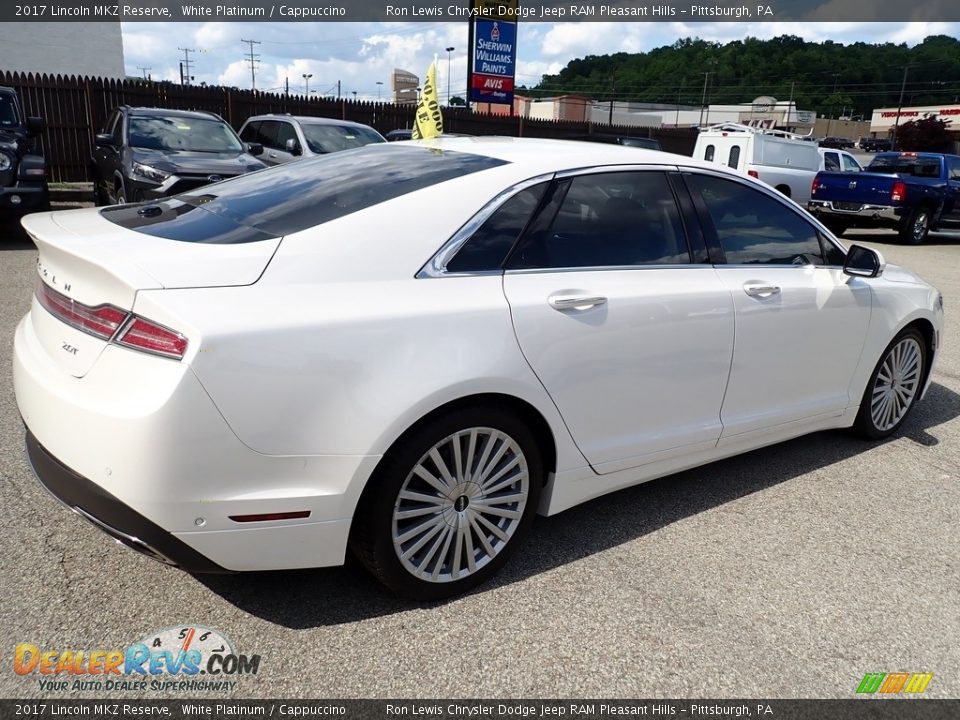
(494, 61)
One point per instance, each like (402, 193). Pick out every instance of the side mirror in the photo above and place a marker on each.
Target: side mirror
(293, 147)
(864, 262)
(35, 125)
(103, 140)
(255, 149)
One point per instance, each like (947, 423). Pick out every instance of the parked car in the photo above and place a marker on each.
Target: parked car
(875, 144)
(839, 143)
(149, 153)
(400, 134)
(23, 171)
(288, 137)
(780, 159)
(272, 369)
(913, 193)
(637, 142)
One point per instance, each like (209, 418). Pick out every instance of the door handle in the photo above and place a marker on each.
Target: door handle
(760, 291)
(570, 302)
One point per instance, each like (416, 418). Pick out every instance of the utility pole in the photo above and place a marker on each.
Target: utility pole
(449, 50)
(613, 92)
(338, 89)
(144, 70)
(679, 93)
(254, 60)
(185, 76)
(790, 104)
(703, 99)
(286, 85)
(896, 123)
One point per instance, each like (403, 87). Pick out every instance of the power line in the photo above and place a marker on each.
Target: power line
(254, 60)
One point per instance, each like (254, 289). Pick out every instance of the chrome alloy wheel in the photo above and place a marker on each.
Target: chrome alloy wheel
(919, 228)
(460, 505)
(896, 385)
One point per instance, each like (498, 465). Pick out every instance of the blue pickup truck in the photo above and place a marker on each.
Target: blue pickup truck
(911, 192)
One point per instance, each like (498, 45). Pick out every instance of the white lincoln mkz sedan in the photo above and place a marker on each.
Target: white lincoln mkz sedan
(410, 349)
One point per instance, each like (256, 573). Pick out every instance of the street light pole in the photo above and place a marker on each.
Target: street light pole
(379, 85)
(449, 50)
(306, 83)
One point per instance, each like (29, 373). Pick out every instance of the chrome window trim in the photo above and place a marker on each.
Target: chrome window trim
(605, 169)
(436, 266)
(611, 268)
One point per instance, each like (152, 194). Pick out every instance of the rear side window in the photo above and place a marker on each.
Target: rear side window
(488, 247)
(609, 220)
(831, 162)
(708, 153)
(754, 228)
(734, 161)
(294, 196)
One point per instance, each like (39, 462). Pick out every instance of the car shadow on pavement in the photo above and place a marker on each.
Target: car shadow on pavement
(331, 596)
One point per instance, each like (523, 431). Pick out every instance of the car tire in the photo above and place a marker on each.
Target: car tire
(428, 532)
(121, 198)
(895, 386)
(917, 226)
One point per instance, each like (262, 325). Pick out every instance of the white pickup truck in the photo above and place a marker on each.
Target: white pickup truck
(782, 160)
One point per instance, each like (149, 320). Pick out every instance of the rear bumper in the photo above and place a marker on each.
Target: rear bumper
(158, 469)
(118, 520)
(866, 216)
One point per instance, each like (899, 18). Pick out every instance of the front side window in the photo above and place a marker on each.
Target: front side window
(267, 134)
(488, 246)
(249, 132)
(285, 132)
(754, 228)
(8, 111)
(609, 220)
(153, 132)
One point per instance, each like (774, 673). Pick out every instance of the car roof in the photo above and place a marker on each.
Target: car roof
(306, 120)
(163, 112)
(542, 156)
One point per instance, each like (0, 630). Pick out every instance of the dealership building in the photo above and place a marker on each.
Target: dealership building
(884, 119)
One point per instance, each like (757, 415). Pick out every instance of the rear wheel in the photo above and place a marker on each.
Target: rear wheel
(450, 503)
(914, 231)
(894, 386)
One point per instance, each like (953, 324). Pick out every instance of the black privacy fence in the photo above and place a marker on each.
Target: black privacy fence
(76, 108)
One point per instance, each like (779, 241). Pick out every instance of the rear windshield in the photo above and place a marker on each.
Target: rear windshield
(294, 196)
(900, 165)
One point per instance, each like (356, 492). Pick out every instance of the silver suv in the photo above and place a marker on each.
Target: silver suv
(288, 137)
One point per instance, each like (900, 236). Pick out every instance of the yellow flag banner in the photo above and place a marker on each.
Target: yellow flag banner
(429, 120)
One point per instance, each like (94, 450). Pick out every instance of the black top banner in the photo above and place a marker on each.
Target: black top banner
(447, 11)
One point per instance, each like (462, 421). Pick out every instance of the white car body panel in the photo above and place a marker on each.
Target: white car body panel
(314, 353)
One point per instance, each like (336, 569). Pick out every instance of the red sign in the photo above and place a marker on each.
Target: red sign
(492, 83)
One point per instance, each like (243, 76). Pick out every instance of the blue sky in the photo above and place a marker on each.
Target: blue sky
(360, 54)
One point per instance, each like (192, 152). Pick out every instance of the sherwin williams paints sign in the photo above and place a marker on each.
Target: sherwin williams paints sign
(493, 59)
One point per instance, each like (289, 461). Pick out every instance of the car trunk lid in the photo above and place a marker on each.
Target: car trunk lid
(91, 263)
(862, 188)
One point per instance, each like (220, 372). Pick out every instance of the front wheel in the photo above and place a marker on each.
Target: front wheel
(450, 503)
(914, 231)
(894, 386)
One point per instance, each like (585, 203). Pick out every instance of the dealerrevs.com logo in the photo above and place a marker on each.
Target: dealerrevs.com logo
(898, 683)
(189, 658)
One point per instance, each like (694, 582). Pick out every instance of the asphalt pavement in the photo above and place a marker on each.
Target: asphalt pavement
(787, 572)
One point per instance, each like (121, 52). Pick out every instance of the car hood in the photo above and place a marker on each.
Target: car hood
(185, 162)
(895, 273)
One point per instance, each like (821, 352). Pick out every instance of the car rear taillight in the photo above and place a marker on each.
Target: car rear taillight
(753, 174)
(112, 324)
(815, 185)
(898, 192)
(141, 334)
(101, 321)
